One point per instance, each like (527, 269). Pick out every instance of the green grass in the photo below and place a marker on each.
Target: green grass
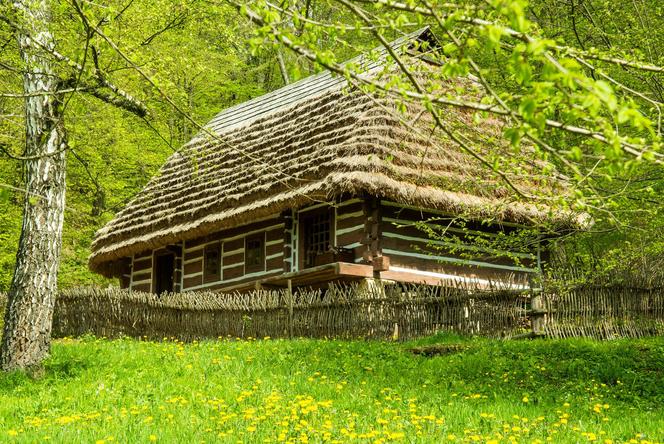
(308, 390)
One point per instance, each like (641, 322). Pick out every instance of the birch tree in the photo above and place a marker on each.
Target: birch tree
(31, 299)
(28, 319)
(182, 59)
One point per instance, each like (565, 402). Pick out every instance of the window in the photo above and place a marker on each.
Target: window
(316, 227)
(212, 263)
(254, 253)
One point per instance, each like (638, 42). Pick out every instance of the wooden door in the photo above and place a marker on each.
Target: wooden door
(164, 271)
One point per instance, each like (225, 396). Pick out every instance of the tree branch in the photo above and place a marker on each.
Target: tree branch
(523, 37)
(123, 99)
(635, 150)
(205, 130)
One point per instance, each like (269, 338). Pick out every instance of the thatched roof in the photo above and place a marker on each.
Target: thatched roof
(311, 141)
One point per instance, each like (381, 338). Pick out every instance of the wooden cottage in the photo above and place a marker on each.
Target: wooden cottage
(311, 183)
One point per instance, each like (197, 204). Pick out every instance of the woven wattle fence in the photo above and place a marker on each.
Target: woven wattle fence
(348, 311)
(367, 311)
(616, 311)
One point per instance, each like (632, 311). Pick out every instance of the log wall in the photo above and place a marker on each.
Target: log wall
(141, 272)
(409, 248)
(349, 224)
(367, 226)
(232, 261)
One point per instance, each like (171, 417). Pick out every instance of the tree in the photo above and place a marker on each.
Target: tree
(583, 98)
(27, 328)
(631, 243)
(28, 318)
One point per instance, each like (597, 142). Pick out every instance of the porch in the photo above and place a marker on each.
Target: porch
(321, 276)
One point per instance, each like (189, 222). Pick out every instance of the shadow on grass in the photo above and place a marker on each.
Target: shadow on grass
(62, 367)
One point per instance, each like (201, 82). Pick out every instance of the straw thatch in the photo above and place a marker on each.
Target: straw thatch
(325, 142)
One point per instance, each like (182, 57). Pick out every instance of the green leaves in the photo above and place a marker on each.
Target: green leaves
(576, 154)
(494, 33)
(527, 108)
(604, 92)
(540, 77)
(523, 71)
(514, 135)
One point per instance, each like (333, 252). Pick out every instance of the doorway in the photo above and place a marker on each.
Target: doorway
(164, 271)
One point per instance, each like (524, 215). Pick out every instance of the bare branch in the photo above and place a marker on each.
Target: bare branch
(13, 156)
(124, 99)
(124, 8)
(42, 93)
(173, 23)
(282, 67)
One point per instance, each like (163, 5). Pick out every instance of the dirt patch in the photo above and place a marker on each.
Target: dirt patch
(438, 349)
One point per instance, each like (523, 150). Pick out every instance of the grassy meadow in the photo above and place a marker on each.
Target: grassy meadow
(126, 391)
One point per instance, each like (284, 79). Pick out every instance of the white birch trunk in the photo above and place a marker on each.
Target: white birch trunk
(29, 314)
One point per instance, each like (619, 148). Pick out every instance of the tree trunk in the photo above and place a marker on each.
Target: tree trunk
(29, 314)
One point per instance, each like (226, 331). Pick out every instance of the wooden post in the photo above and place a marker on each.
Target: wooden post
(287, 217)
(537, 309)
(537, 314)
(372, 230)
(290, 309)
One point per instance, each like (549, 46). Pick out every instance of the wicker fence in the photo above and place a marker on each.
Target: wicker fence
(348, 311)
(604, 312)
(367, 311)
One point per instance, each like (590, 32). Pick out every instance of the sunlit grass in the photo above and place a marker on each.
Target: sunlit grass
(267, 390)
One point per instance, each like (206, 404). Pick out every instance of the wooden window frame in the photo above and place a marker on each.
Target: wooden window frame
(302, 216)
(254, 268)
(207, 275)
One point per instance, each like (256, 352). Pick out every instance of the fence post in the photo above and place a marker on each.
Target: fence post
(538, 311)
(290, 309)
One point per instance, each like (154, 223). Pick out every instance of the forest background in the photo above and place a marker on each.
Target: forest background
(205, 56)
